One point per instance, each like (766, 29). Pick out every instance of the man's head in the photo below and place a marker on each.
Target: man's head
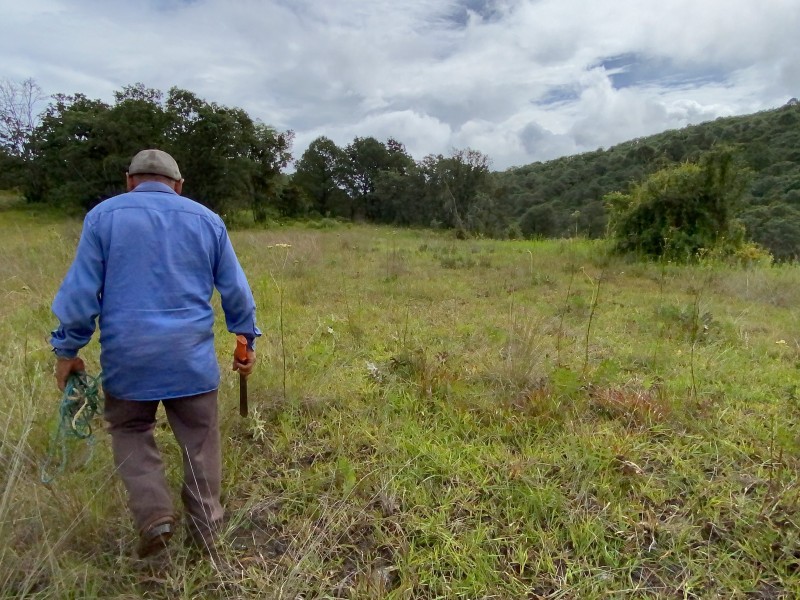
(154, 165)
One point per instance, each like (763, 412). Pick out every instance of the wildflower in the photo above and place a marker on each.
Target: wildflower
(374, 371)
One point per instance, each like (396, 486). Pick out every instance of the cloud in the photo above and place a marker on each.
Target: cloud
(520, 80)
(538, 141)
(421, 134)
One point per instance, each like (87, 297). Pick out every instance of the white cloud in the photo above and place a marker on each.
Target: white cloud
(521, 80)
(421, 134)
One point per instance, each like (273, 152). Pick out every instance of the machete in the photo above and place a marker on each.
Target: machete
(241, 356)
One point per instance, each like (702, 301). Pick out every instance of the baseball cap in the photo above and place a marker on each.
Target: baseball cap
(154, 162)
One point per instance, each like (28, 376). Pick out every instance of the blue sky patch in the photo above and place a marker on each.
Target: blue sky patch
(561, 94)
(631, 69)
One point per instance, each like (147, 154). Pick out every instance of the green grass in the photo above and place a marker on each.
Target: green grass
(435, 418)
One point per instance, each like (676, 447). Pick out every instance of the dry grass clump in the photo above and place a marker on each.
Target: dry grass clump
(632, 404)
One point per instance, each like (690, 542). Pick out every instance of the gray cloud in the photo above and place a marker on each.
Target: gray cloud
(521, 80)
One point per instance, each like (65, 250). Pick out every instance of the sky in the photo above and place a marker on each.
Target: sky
(519, 80)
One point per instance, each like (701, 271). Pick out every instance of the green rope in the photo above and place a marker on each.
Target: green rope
(80, 404)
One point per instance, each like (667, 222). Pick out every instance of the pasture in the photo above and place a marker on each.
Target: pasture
(440, 418)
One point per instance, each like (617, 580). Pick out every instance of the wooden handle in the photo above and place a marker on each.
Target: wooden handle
(241, 355)
(241, 348)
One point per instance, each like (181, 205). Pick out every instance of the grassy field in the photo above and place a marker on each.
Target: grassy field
(441, 418)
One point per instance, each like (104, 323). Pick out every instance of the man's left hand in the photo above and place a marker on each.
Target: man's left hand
(245, 368)
(66, 367)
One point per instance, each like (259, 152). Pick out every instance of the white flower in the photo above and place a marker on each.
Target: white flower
(374, 371)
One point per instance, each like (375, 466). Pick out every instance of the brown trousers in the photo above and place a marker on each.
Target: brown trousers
(194, 423)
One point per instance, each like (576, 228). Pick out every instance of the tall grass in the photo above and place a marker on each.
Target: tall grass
(441, 418)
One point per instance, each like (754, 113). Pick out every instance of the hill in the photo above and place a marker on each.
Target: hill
(564, 196)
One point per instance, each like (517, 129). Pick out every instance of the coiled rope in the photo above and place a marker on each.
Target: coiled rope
(81, 402)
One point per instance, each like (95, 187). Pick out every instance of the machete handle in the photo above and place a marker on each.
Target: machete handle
(241, 355)
(241, 348)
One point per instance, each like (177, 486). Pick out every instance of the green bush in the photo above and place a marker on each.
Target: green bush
(681, 211)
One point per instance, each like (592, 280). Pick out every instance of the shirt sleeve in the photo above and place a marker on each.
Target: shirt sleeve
(238, 303)
(79, 300)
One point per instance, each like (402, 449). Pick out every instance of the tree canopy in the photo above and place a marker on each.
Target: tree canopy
(79, 152)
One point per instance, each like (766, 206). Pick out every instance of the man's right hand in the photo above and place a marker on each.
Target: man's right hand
(66, 367)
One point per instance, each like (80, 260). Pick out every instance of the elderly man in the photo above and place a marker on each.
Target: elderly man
(147, 264)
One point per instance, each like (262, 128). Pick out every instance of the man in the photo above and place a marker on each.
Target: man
(147, 264)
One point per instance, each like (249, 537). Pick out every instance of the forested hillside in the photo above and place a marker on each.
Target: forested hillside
(565, 196)
(76, 151)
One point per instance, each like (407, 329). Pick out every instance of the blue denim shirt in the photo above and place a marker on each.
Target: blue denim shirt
(146, 265)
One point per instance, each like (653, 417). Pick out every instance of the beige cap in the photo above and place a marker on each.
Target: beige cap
(154, 162)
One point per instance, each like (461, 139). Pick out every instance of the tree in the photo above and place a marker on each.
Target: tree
(457, 181)
(269, 154)
(485, 217)
(403, 196)
(19, 113)
(679, 210)
(10, 170)
(398, 159)
(138, 119)
(230, 162)
(81, 149)
(395, 185)
(539, 221)
(211, 144)
(293, 201)
(316, 174)
(66, 153)
(777, 228)
(360, 164)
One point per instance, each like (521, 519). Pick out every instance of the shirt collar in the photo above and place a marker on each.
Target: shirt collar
(153, 186)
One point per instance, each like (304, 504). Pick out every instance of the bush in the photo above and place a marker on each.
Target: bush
(681, 209)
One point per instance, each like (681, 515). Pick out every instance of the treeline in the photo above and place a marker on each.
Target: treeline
(76, 152)
(379, 182)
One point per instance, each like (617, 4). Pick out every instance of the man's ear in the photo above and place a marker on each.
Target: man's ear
(178, 186)
(130, 183)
